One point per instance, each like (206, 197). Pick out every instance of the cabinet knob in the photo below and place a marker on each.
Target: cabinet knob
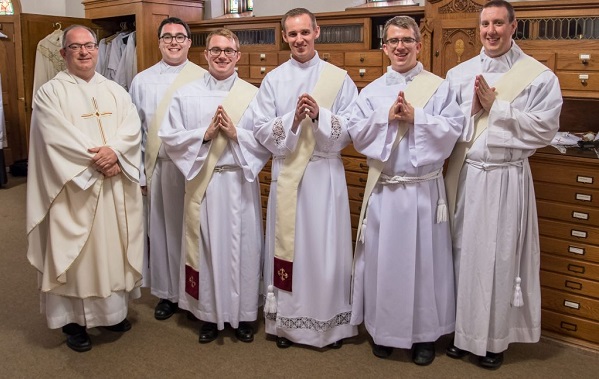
(362, 72)
(262, 56)
(436, 53)
(326, 57)
(583, 79)
(584, 58)
(262, 70)
(362, 58)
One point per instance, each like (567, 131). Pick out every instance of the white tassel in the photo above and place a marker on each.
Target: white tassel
(441, 211)
(518, 301)
(270, 305)
(363, 230)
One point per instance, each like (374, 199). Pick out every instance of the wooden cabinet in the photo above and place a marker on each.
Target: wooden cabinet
(567, 191)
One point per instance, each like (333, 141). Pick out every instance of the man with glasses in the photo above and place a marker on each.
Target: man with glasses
(513, 105)
(84, 207)
(301, 113)
(161, 181)
(220, 160)
(406, 122)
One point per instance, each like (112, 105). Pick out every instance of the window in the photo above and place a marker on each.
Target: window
(238, 6)
(6, 8)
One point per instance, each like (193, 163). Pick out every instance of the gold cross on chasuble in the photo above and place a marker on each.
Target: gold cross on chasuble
(98, 116)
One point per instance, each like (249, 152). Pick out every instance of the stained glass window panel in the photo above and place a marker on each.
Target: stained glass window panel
(6, 7)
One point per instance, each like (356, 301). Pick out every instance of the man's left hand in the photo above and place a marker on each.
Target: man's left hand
(486, 94)
(104, 157)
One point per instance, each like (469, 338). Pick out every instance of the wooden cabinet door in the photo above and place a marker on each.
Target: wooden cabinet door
(454, 42)
(14, 135)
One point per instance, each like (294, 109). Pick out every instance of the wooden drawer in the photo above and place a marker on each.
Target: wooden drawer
(570, 284)
(243, 71)
(363, 73)
(356, 179)
(354, 220)
(568, 213)
(355, 193)
(570, 326)
(355, 207)
(571, 267)
(569, 249)
(583, 177)
(284, 56)
(351, 151)
(574, 61)
(259, 72)
(264, 58)
(333, 57)
(264, 189)
(355, 164)
(265, 177)
(264, 201)
(578, 81)
(567, 194)
(569, 232)
(365, 58)
(567, 303)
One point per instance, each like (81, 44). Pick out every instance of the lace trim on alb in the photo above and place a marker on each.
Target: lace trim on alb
(310, 323)
(279, 133)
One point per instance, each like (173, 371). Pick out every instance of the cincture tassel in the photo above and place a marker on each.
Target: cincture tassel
(363, 230)
(270, 305)
(517, 300)
(442, 213)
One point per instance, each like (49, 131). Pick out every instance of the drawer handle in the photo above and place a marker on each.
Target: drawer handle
(576, 268)
(326, 57)
(262, 70)
(584, 58)
(568, 326)
(571, 304)
(584, 179)
(363, 166)
(580, 215)
(362, 58)
(576, 250)
(361, 195)
(268, 178)
(262, 56)
(583, 197)
(362, 180)
(362, 72)
(573, 285)
(578, 233)
(583, 79)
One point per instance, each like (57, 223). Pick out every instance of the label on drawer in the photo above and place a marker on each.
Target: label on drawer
(580, 215)
(583, 197)
(578, 233)
(584, 179)
(576, 250)
(571, 304)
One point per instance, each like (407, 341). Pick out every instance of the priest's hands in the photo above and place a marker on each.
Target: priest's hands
(401, 110)
(484, 96)
(220, 121)
(306, 106)
(105, 161)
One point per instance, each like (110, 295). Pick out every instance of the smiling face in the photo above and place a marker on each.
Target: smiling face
(174, 53)
(80, 63)
(300, 35)
(496, 31)
(221, 66)
(404, 54)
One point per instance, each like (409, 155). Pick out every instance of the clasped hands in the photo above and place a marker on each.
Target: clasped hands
(220, 121)
(484, 96)
(105, 161)
(306, 106)
(401, 110)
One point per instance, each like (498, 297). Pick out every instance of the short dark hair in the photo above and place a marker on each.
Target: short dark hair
(404, 22)
(75, 26)
(174, 20)
(298, 12)
(511, 14)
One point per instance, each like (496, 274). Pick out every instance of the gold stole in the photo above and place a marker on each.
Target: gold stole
(190, 72)
(418, 93)
(510, 85)
(235, 104)
(325, 92)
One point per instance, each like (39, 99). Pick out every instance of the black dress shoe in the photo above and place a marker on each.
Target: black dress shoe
(245, 332)
(423, 353)
(121, 327)
(491, 361)
(77, 337)
(165, 309)
(455, 352)
(336, 344)
(208, 332)
(283, 343)
(381, 351)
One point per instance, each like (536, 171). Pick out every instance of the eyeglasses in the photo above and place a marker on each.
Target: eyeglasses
(180, 38)
(215, 51)
(405, 40)
(90, 46)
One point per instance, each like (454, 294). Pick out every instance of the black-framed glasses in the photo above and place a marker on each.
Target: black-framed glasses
(407, 41)
(180, 38)
(215, 51)
(90, 46)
